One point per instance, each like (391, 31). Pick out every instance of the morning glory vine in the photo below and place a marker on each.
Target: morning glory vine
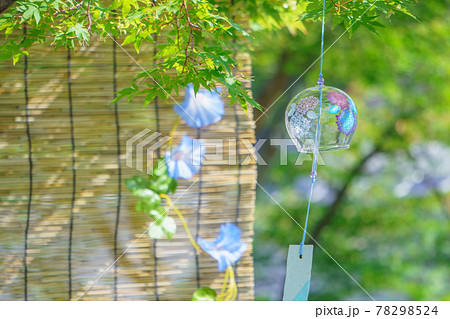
(200, 108)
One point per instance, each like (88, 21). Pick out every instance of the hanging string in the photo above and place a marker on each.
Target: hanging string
(321, 47)
(119, 166)
(313, 174)
(74, 172)
(239, 186)
(30, 173)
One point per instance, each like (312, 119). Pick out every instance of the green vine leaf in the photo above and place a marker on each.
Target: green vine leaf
(149, 191)
(163, 225)
(204, 294)
(136, 182)
(147, 205)
(156, 231)
(169, 226)
(146, 193)
(157, 212)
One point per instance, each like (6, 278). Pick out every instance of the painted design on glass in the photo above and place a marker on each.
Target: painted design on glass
(346, 121)
(307, 104)
(353, 106)
(292, 110)
(338, 99)
(311, 115)
(334, 109)
(300, 125)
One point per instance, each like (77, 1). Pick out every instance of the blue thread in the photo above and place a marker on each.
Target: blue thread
(313, 175)
(322, 40)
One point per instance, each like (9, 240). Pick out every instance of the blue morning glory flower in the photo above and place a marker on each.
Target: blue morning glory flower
(227, 248)
(185, 160)
(201, 109)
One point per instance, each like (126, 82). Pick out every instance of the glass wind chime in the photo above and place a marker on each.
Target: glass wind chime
(320, 118)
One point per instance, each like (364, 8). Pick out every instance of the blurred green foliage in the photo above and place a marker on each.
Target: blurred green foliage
(195, 40)
(381, 207)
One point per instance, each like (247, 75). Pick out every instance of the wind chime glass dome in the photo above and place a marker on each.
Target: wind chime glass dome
(337, 123)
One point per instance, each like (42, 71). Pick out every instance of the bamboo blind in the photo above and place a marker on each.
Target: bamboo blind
(65, 212)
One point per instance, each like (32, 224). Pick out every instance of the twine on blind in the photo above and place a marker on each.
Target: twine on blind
(197, 225)
(30, 163)
(74, 171)
(119, 166)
